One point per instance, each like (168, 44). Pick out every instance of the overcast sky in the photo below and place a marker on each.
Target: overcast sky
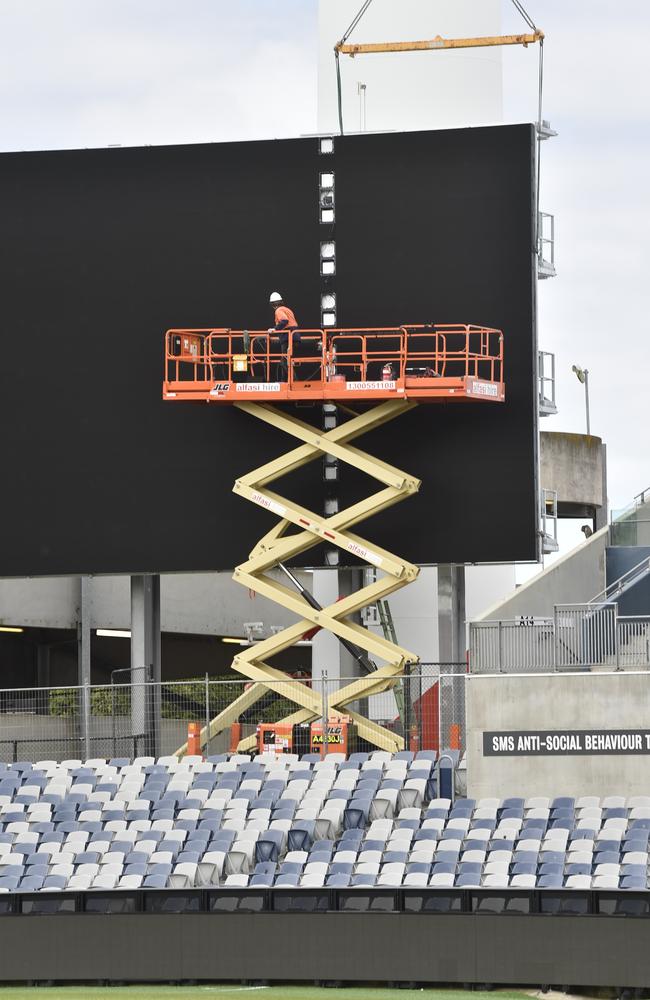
(595, 179)
(77, 73)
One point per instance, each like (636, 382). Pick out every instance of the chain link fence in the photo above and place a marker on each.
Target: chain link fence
(421, 710)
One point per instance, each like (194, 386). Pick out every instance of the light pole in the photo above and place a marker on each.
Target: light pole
(582, 374)
(361, 91)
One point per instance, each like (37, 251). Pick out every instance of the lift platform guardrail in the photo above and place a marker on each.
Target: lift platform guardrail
(427, 363)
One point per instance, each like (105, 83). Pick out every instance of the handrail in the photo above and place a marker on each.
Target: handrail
(474, 352)
(637, 501)
(616, 588)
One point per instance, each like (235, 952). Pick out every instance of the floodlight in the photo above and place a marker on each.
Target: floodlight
(582, 375)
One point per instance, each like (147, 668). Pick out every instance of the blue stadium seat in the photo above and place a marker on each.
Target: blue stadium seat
(550, 882)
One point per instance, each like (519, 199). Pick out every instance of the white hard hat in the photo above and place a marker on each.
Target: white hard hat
(275, 297)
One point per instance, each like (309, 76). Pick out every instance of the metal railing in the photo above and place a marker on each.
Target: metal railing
(426, 709)
(626, 580)
(200, 356)
(629, 512)
(512, 646)
(546, 245)
(633, 637)
(549, 520)
(578, 637)
(585, 635)
(546, 383)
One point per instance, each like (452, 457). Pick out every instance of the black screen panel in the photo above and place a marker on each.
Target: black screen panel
(102, 250)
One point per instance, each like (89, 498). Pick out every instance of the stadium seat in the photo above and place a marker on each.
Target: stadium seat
(441, 880)
(237, 821)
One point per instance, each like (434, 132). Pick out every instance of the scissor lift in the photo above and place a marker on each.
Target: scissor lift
(392, 369)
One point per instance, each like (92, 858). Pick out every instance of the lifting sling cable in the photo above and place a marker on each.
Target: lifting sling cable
(518, 7)
(538, 234)
(526, 16)
(540, 89)
(344, 38)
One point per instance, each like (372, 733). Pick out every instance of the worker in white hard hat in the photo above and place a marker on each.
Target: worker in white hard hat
(285, 323)
(284, 318)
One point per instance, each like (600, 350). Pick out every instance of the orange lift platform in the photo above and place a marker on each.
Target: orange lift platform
(389, 372)
(440, 363)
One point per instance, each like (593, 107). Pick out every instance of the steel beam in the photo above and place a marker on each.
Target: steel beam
(84, 632)
(145, 663)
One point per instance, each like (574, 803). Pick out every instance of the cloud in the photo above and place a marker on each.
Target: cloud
(110, 71)
(594, 180)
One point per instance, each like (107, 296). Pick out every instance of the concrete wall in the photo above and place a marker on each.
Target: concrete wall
(575, 578)
(39, 603)
(198, 603)
(572, 465)
(486, 584)
(556, 702)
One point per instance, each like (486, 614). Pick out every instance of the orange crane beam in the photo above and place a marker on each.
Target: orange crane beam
(438, 43)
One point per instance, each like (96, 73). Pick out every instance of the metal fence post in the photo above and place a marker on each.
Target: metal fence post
(84, 618)
(207, 714)
(114, 734)
(440, 744)
(500, 640)
(407, 705)
(85, 694)
(325, 716)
